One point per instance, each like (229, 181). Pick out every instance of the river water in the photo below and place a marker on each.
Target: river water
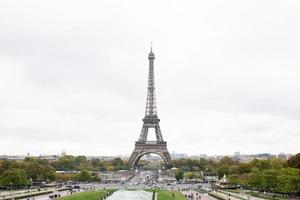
(130, 195)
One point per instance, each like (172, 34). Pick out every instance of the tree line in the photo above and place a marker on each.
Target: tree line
(274, 175)
(18, 174)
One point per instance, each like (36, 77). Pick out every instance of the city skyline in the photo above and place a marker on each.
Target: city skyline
(74, 76)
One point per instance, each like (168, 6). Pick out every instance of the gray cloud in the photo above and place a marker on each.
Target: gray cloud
(73, 75)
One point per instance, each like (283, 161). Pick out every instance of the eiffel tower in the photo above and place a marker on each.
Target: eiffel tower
(143, 146)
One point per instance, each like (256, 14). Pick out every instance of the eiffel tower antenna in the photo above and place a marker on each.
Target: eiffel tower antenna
(151, 120)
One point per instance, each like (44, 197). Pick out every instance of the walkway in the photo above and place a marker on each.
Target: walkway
(129, 195)
(194, 195)
(234, 196)
(46, 196)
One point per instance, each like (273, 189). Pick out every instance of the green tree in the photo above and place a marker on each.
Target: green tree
(187, 164)
(51, 175)
(294, 161)
(260, 164)
(255, 179)
(167, 165)
(37, 169)
(96, 178)
(276, 164)
(112, 168)
(270, 180)
(243, 178)
(233, 169)
(14, 178)
(289, 181)
(66, 177)
(223, 169)
(84, 176)
(98, 165)
(234, 180)
(8, 164)
(81, 163)
(119, 164)
(178, 174)
(65, 163)
(78, 160)
(190, 175)
(244, 168)
(228, 161)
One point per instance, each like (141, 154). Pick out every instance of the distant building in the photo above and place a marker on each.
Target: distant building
(282, 156)
(63, 153)
(23, 157)
(49, 157)
(14, 157)
(204, 156)
(3, 157)
(264, 156)
(237, 156)
(178, 155)
(101, 157)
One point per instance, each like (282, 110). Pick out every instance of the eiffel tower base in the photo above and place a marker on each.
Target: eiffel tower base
(142, 149)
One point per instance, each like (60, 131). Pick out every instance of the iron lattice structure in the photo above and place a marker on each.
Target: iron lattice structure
(151, 120)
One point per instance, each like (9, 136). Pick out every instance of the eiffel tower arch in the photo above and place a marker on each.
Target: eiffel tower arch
(151, 120)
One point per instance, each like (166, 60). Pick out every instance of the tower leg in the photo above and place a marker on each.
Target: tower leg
(142, 149)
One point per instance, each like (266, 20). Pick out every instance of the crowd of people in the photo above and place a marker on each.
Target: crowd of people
(191, 194)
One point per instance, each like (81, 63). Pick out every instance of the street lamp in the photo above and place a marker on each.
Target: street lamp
(29, 187)
(10, 192)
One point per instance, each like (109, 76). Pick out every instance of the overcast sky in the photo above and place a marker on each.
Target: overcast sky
(73, 75)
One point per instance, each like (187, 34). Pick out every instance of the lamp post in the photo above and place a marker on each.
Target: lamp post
(10, 192)
(30, 183)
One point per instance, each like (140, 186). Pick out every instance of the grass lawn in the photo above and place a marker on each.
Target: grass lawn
(96, 195)
(167, 195)
(91, 195)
